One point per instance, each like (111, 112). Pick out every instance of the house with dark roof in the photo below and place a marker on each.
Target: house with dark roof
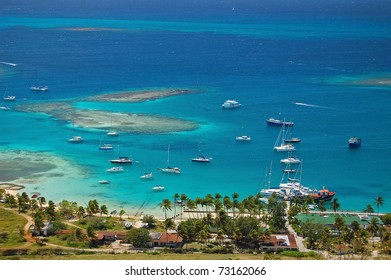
(162, 239)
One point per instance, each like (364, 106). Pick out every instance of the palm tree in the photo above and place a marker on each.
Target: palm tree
(41, 201)
(103, 210)
(321, 206)
(235, 203)
(176, 196)
(369, 209)
(198, 201)
(227, 203)
(165, 205)
(81, 211)
(379, 201)
(335, 204)
(121, 213)
(183, 201)
(373, 227)
(190, 204)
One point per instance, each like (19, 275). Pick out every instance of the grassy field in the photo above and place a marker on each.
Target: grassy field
(144, 256)
(11, 229)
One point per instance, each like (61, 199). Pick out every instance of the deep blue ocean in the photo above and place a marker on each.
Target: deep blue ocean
(266, 55)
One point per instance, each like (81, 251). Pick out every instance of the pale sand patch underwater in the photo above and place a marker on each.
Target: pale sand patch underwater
(31, 169)
(137, 96)
(106, 120)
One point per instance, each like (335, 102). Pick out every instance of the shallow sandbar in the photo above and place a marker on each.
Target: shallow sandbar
(137, 96)
(106, 120)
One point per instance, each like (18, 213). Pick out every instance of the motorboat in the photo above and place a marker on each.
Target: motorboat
(323, 195)
(39, 88)
(289, 170)
(285, 148)
(5, 108)
(291, 160)
(230, 104)
(201, 158)
(106, 147)
(292, 140)
(146, 176)
(354, 142)
(10, 98)
(104, 182)
(76, 139)
(270, 192)
(175, 170)
(158, 188)
(112, 133)
(278, 122)
(115, 169)
(243, 138)
(121, 160)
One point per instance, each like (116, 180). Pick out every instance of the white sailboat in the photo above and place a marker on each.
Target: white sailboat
(147, 176)
(168, 169)
(201, 158)
(280, 145)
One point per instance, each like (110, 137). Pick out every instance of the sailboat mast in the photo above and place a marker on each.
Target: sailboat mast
(168, 155)
(270, 174)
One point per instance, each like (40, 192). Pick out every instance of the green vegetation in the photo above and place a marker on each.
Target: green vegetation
(218, 228)
(11, 229)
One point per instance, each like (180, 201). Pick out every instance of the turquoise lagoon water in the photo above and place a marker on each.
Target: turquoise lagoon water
(265, 62)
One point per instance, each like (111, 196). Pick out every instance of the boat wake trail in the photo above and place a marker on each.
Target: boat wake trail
(310, 105)
(9, 63)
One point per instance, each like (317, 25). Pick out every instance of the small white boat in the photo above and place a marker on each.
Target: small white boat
(201, 158)
(121, 160)
(292, 140)
(5, 108)
(230, 104)
(76, 139)
(158, 188)
(243, 138)
(146, 176)
(290, 160)
(104, 182)
(115, 169)
(285, 148)
(106, 147)
(112, 133)
(270, 192)
(10, 98)
(39, 88)
(170, 170)
(278, 122)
